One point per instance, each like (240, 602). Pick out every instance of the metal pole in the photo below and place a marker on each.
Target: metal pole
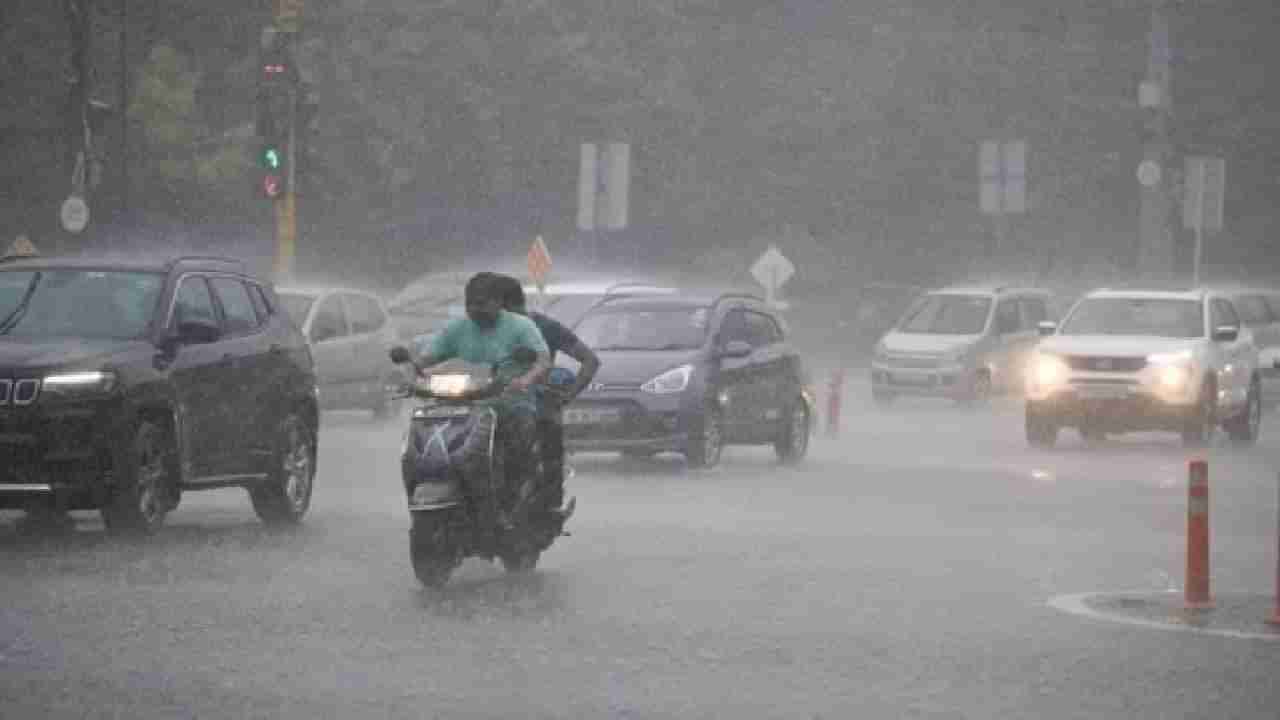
(124, 108)
(1155, 247)
(1199, 250)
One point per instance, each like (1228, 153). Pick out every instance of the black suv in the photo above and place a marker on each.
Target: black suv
(125, 383)
(690, 373)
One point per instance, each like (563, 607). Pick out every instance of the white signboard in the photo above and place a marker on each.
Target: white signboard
(772, 270)
(1202, 194)
(1002, 174)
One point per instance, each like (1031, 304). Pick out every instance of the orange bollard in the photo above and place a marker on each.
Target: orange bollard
(1197, 595)
(1275, 614)
(835, 389)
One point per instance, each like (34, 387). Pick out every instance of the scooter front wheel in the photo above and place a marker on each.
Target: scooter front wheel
(430, 549)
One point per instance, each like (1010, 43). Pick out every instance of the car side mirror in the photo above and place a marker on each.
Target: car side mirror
(1047, 327)
(1269, 359)
(735, 349)
(197, 332)
(1226, 333)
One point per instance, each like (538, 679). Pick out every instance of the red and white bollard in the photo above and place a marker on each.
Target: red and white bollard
(835, 390)
(1196, 594)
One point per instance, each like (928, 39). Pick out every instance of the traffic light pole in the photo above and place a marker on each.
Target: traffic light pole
(1155, 236)
(286, 206)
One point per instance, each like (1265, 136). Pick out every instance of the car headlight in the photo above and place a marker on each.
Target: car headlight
(672, 381)
(1048, 371)
(1173, 370)
(1173, 377)
(77, 384)
(450, 385)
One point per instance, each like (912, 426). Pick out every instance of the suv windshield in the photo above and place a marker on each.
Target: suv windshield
(296, 306)
(77, 303)
(947, 315)
(1136, 316)
(647, 329)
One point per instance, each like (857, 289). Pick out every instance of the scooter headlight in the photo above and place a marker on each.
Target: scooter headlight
(450, 385)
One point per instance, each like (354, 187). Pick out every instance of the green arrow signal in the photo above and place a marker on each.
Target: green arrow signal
(271, 158)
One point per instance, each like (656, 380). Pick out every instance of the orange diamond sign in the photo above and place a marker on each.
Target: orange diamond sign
(539, 262)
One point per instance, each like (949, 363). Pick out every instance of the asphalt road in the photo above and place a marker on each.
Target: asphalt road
(902, 572)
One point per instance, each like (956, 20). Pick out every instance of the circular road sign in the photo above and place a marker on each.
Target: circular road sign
(75, 214)
(1149, 173)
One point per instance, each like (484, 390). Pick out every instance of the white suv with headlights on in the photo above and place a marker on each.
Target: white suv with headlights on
(1142, 360)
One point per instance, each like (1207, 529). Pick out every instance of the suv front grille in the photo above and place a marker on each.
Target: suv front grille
(1092, 363)
(18, 392)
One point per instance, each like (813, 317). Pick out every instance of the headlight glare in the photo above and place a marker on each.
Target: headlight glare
(1049, 371)
(449, 385)
(672, 381)
(1172, 377)
(80, 383)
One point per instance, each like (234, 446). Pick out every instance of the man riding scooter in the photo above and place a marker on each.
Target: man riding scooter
(559, 339)
(489, 336)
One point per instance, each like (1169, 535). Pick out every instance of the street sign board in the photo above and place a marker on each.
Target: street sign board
(539, 261)
(1202, 200)
(587, 186)
(1002, 174)
(288, 14)
(604, 182)
(772, 270)
(1149, 173)
(74, 214)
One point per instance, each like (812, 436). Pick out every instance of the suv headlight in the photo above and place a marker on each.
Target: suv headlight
(1172, 370)
(1048, 371)
(79, 384)
(672, 381)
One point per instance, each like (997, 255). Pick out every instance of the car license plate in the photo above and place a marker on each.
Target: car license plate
(1103, 392)
(590, 416)
(443, 411)
(920, 379)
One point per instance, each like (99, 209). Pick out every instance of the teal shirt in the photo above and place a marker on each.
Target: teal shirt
(465, 340)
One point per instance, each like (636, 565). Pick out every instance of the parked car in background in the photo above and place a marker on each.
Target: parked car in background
(350, 333)
(124, 384)
(1259, 310)
(690, 372)
(964, 343)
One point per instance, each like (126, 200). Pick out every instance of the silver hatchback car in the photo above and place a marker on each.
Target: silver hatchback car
(349, 332)
(963, 343)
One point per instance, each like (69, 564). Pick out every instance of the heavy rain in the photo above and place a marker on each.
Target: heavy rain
(878, 359)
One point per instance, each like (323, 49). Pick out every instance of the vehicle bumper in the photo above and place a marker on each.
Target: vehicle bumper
(62, 456)
(620, 421)
(946, 382)
(1129, 412)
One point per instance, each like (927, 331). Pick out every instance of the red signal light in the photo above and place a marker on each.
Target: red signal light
(272, 184)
